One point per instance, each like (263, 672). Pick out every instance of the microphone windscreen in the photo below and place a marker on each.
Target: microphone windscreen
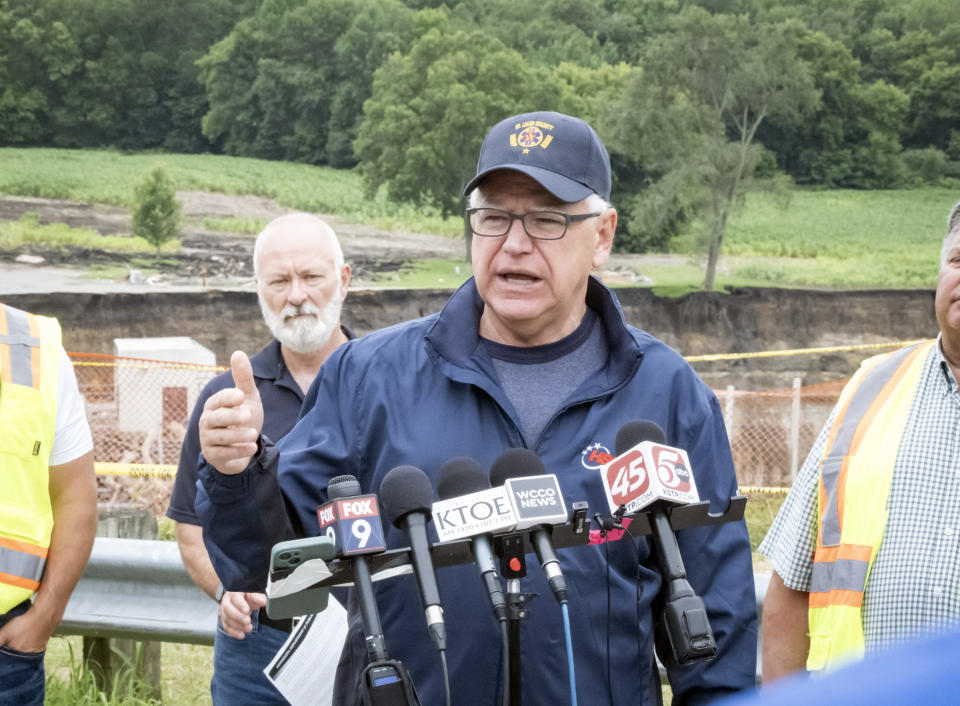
(633, 433)
(405, 489)
(515, 463)
(343, 487)
(460, 476)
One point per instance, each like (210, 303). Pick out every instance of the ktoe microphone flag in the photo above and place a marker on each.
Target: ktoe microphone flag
(465, 492)
(647, 470)
(464, 511)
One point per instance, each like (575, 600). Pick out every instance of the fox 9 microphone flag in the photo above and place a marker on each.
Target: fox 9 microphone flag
(353, 523)
(648, 472)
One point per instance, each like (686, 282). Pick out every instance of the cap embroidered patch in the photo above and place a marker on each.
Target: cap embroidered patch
(560, 152)
(531, 135)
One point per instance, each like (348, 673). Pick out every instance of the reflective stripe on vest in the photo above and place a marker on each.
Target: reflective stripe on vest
(19, 348)
(21, 564)
(868, 393)
(854, 484)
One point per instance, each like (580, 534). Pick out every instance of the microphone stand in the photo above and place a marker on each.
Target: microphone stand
(513, 567)
(682, 603)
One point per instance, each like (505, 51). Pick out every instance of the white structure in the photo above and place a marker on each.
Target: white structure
(151, 395)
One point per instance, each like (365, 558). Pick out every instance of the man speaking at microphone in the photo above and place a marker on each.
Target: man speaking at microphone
(530, 352)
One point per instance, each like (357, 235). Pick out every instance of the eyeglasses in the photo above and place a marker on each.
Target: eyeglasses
(541, 225)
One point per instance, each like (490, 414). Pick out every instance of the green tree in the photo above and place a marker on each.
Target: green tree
(289, 82)
(38, 58)
(156, 211)
(82, 73)
(430, 109)
(854, 133)
(691, 115)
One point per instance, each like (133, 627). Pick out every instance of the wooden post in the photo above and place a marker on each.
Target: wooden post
(795, 431)
(728, 410)
(108, 657)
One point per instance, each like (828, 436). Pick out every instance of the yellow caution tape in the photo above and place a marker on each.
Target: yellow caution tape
(136, 470)
(150, 366)
(800, 351)
(748, 489)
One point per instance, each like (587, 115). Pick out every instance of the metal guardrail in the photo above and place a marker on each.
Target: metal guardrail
(139, 589)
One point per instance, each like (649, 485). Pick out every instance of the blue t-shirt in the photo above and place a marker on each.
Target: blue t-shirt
(539, 379)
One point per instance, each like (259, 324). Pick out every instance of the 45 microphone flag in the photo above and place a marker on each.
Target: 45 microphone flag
(646, 473)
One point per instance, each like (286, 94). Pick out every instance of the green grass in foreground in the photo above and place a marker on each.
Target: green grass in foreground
(185, 676)
(26, 231)
(761, 510)
(106, 176)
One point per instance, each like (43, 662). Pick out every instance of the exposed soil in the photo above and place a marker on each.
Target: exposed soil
(208, 258)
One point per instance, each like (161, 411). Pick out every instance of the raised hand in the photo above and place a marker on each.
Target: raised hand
(232, 420)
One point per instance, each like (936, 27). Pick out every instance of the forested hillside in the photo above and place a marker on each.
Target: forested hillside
(697, 101)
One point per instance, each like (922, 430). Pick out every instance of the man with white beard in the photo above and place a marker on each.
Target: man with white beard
(301, 283)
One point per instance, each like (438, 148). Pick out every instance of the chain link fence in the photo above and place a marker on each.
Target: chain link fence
(138, 411)
(771, 431)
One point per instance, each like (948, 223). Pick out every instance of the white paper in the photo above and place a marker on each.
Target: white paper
(308, 573)
(305, 668)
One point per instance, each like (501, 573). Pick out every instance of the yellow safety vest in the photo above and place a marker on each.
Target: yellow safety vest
(855, 479)
(29, 371)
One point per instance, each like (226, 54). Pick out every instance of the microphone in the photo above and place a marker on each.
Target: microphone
(538, 503)
(469, 507)
(352, 520)
(407, 494)
(647, 472)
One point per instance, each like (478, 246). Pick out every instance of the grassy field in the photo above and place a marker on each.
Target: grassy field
(60, 236)
(105, 176)
(838, 239)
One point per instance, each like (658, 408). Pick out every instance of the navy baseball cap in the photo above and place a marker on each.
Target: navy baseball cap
(562, 153)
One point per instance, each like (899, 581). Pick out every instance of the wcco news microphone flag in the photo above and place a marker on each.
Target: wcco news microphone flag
(537, 500)
(646, 473)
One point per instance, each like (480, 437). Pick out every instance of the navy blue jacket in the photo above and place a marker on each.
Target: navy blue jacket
(423, 392)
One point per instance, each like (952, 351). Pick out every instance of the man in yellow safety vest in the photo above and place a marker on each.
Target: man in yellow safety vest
(48, 501)
(866, 547)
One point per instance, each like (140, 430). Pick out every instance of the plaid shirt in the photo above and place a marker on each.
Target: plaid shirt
(914, 584)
